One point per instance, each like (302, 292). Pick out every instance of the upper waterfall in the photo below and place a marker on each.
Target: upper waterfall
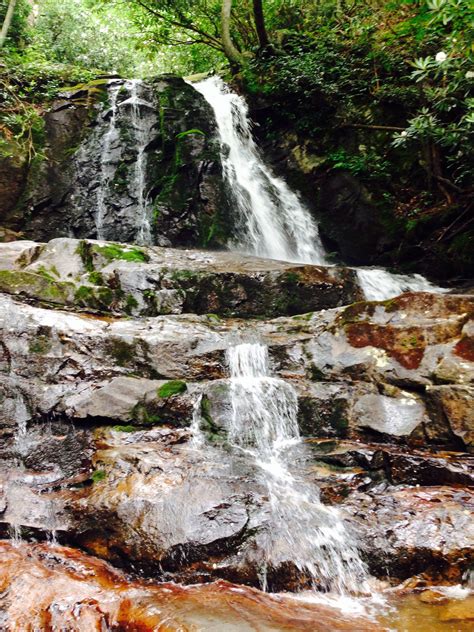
(272, 221)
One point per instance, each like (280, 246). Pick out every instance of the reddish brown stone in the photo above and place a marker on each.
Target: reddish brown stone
(465, 348)
(407, 346)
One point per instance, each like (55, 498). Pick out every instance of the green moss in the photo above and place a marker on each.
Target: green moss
(214, 317)
(41, 345)
(96, 278)
(36, 285)
(46, 274)
(291, 277)
(338, 418)
(122, 351)
(98, 475)
(128, 428)
(174, 387)
(184, 275)
(143, 414)
(84, 294)
(115, 251)
(84, 250)
(130, 304)
(105, 296)
(214, 433)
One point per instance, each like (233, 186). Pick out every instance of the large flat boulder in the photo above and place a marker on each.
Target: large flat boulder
(123, 279)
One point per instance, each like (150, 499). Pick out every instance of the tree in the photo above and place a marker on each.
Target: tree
(260, 25)
(230, 51)
(234, 29)
(7, 22)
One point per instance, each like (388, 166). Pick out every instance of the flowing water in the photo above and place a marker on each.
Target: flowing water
(142, 122)
(263, 427)
(107, 167)
(273, 222)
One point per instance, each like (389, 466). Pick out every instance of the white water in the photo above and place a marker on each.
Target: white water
(107, 167)
(142, 121)
(273, 222)
(264, 427)
(378, 284)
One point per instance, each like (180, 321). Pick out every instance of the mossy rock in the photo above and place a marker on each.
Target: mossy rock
(112, 252)
(174, 387)
(38, 286)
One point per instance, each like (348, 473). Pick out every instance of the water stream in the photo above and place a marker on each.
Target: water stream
(142, 122)
(272, 220)
(107, 167)
(263, 428)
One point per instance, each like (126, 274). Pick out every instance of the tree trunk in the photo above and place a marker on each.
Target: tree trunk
(260, 25)
(232, 54)
(7, 22)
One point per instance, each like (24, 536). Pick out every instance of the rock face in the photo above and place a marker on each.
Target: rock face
(118, 279)
(93, 596)
(96, 408)
(119, 154)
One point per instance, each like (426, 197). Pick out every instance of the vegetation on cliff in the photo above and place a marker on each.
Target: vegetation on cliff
(380, 91)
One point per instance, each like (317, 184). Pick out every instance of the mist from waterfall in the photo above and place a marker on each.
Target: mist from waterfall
(272, 220)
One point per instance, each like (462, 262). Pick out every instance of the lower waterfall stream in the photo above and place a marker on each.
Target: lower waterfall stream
(264, 426)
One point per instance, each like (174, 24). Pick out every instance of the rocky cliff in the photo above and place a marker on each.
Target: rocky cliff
(115, 152)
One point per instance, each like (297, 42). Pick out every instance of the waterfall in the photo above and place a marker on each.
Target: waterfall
(107, 166)
(263, 426)
(120, 186)
(378, 284)
(142, 121)
(272, 220)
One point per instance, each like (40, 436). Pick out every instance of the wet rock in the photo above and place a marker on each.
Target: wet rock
(182, 172)
(58, 587)
(396, 466)
(406, 531)
(343, 390)
(134, 400)
(456, 404)
(346, 209)
(114, 278)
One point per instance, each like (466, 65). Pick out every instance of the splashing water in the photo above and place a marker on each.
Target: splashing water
(379, 285)
(273, 222)
(263, 425)
(107, 168)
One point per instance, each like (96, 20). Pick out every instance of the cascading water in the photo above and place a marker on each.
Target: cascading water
(378, 284)
(273, 221)
(263, 427)
(142, 120)
(107, 167)
(118, 176)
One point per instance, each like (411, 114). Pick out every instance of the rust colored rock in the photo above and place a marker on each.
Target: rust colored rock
(48, 587)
